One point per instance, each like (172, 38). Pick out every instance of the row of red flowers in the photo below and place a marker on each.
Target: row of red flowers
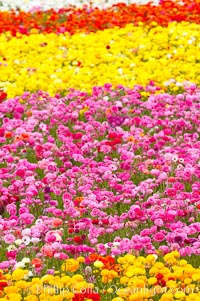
(88, 19)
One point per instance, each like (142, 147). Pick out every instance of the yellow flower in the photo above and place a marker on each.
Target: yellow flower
(180, 295)
(36, 280)
(47, 278)
(77, 278)
(135, 282)
(170, 259)
(57, 298)
(11, 289)
(70, 265)
(80, 286)
(152, 280)
(196, 277)
(178, 273)
(19, 274)
(121, 260)
(129, 258)
(153, 271)
(66, 280)
(150, 259)
(14, 297)
(158, 265)
(80, 259)
(175, 254)
(31, 298)
(134, 271)
(124, 280)
(22, 284)
(105, 272)
(68, 295)
(98, 264)
(187, 280)
(167, 297)
(171, 284)
(35, 288)
(85, 109)
(123, 292)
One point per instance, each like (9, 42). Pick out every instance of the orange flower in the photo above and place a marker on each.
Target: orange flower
(93, 257)
(131, 139)
(17, 138)
(57, 222)
(25, 136)
(79, 199)
(36, 262)
(108, 261)
(29, 113)
(47, 251)
(117, 268)
(8, 135)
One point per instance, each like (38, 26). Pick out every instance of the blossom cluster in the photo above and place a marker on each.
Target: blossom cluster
(89, 19)
(112, 172)
(123, 279)
(127, 56)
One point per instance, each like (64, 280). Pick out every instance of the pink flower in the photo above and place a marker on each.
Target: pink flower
(160, 236)
(158, 222)
(9, 238)
(5, 265)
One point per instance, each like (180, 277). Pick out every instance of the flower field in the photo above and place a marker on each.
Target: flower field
(99, 150)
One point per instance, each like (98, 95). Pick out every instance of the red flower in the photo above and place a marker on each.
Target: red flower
(2, 285)
(86, 295)
(3, 96)
(95, 221)
(159, 276)
(78, 239)
(36, 262)
(2, 131)
(105, 221)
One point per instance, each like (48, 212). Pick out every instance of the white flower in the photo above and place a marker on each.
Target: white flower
(26, 260)
(120, 71)
(116, 244)
(28, 275)
(179, 167)
(35, 240)
(174, 158)
(18, 242)
(11, 248)
(178, 84)
(26, 232)
(155, 256)
(169, 55)
(26, 240)
(39, 221)
(58, 237)
(20, 265)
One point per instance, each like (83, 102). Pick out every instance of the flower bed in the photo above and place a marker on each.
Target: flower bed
(74, 19)
(127, 56)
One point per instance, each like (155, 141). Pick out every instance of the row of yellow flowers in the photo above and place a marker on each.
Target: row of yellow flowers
(136, 278)
(127, 56)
